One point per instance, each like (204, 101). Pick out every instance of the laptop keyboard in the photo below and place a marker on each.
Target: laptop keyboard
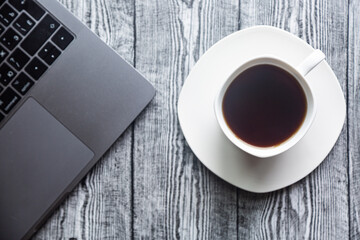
(30, 42)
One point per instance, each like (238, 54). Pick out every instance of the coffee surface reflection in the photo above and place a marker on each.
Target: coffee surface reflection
(264, 105)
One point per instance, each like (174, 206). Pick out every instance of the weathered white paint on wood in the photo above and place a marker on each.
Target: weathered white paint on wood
(354, 117)
(151, 186)
(176, 197)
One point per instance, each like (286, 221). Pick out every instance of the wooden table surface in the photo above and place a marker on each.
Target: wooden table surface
(150, 185)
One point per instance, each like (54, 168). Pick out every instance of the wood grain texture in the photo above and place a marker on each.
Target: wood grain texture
(354, 117)
(100, 207)
(175, 196)
(317, 206)
(151, 186)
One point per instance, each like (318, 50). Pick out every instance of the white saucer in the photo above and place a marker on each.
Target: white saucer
(215, 151)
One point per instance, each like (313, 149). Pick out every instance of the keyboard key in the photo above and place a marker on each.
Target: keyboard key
(1, 117)
(24, 24)
(29, 6)
(49, 53)
(3, 54)
(10, 39)
(18, 59)
(8, 100)
(7, 74)
(7, 14)
(62, 38)
(36, 68)
(40, 35)
(22, 83)
(2, 29)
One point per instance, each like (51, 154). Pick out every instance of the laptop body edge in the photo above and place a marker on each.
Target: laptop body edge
(89, 101)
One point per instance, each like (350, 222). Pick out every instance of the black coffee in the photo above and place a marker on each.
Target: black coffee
(264, 105)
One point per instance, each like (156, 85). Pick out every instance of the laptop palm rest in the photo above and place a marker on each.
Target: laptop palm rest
(39, 158)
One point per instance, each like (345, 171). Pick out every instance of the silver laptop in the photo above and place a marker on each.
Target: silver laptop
(65, 97)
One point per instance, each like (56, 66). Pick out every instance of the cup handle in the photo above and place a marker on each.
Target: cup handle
(310, 62)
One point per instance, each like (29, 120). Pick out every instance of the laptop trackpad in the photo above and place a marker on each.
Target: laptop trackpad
(39, 158)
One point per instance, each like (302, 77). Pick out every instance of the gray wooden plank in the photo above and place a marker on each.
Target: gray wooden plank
(175, 196)
(354, 117)
(100, 207)
(317, 206)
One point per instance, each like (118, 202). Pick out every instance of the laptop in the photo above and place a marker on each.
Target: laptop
(65, 97)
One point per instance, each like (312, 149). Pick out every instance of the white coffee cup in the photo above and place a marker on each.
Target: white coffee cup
(299, 73)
